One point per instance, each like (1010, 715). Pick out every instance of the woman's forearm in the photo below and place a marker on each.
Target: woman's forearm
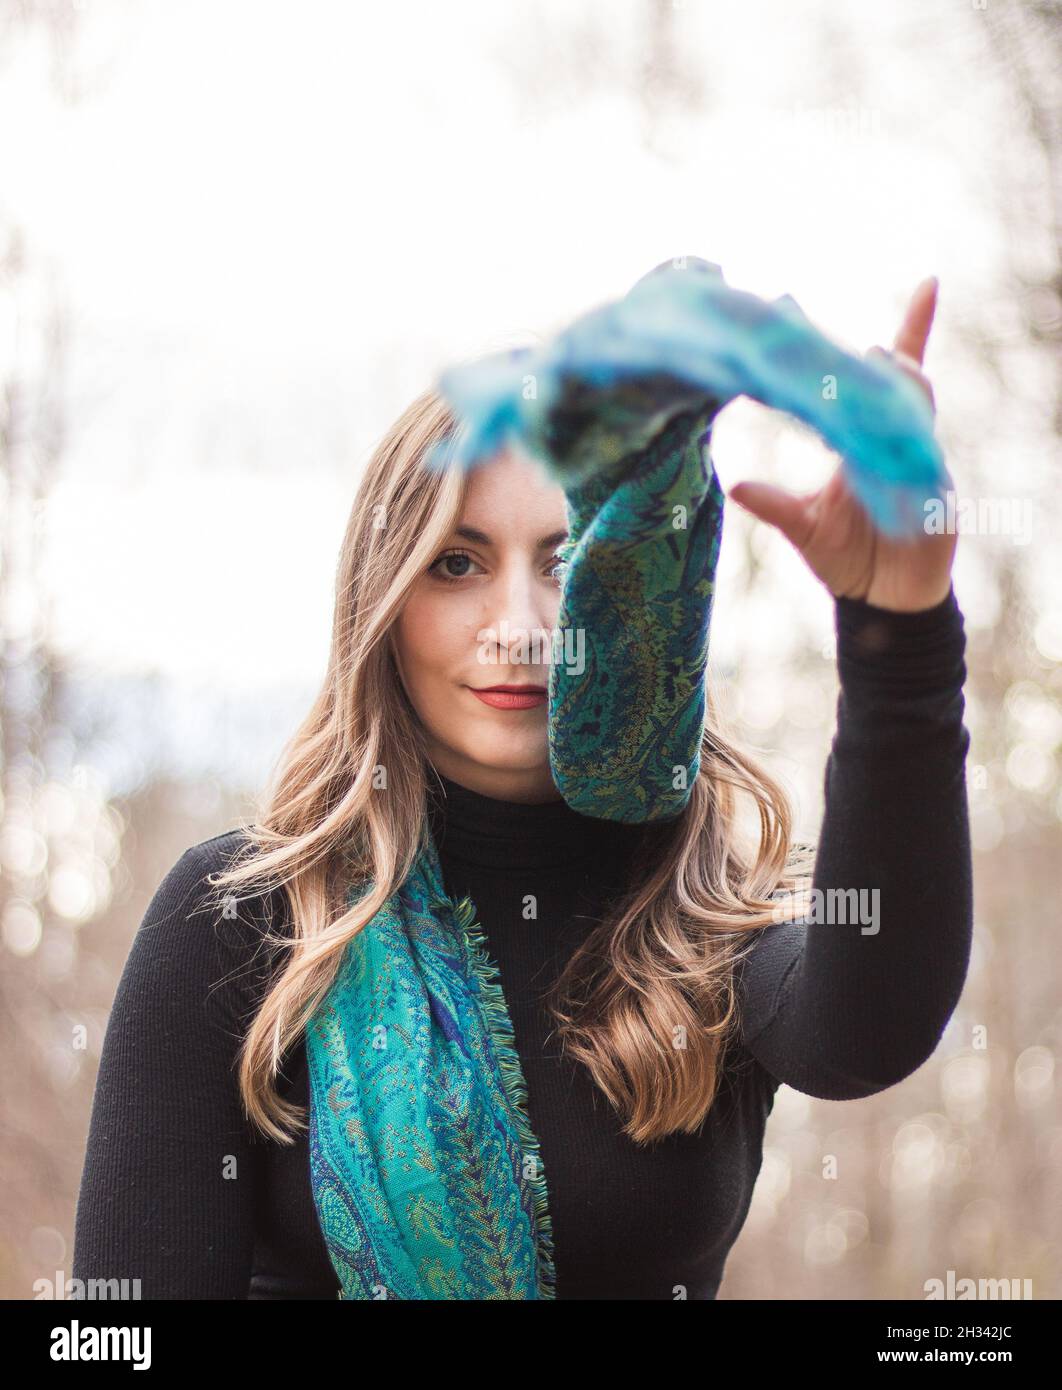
(856, 997)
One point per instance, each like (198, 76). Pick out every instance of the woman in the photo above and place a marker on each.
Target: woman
(644, 994)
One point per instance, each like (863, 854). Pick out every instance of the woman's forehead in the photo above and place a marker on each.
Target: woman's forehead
(513, 486)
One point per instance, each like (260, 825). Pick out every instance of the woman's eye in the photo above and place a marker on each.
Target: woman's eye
(455, 565)
(458, 559)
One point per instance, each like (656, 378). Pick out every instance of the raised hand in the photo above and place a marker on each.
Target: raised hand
(833, 532)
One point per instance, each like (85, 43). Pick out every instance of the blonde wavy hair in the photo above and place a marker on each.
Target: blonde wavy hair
(648, 1002)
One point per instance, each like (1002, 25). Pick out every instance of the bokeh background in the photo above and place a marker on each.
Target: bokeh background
(237, 238)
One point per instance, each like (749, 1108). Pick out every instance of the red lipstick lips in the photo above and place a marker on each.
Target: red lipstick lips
(511, 696)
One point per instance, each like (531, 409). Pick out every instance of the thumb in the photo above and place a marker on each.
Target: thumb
(783, 510)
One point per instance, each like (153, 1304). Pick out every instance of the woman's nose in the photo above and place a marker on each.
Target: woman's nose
(522, 603)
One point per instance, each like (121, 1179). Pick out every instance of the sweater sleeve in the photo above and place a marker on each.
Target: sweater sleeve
(855, 997)
(167, 1188)
(627, 698)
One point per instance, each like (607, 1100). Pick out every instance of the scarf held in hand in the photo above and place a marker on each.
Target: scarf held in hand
(426, 1174)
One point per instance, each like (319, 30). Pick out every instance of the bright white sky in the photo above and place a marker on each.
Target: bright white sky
(274, 223)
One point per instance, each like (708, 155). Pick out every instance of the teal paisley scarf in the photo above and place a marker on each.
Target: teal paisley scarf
(426, 1175)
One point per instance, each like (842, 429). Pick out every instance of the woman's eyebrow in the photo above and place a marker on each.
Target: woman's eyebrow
(470, 533)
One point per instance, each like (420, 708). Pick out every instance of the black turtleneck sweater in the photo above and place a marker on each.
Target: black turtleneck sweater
(829, 1009)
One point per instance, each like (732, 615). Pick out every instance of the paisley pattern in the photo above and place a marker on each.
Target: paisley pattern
(426, 1175)
(626, 717)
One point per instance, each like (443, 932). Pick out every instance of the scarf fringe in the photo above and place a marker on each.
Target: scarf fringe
(503, 1040)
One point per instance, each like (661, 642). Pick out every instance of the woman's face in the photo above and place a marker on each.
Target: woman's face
(483, 615)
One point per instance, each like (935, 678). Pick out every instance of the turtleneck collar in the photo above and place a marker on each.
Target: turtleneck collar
(490, 833)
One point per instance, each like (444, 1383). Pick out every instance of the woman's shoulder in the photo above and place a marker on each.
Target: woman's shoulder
(218, 852)
(205, 934)
(190, 887)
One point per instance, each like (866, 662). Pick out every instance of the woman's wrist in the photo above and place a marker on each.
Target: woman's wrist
(916, 649)
(910, 619)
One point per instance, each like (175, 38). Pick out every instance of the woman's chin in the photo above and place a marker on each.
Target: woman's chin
(511, 752)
